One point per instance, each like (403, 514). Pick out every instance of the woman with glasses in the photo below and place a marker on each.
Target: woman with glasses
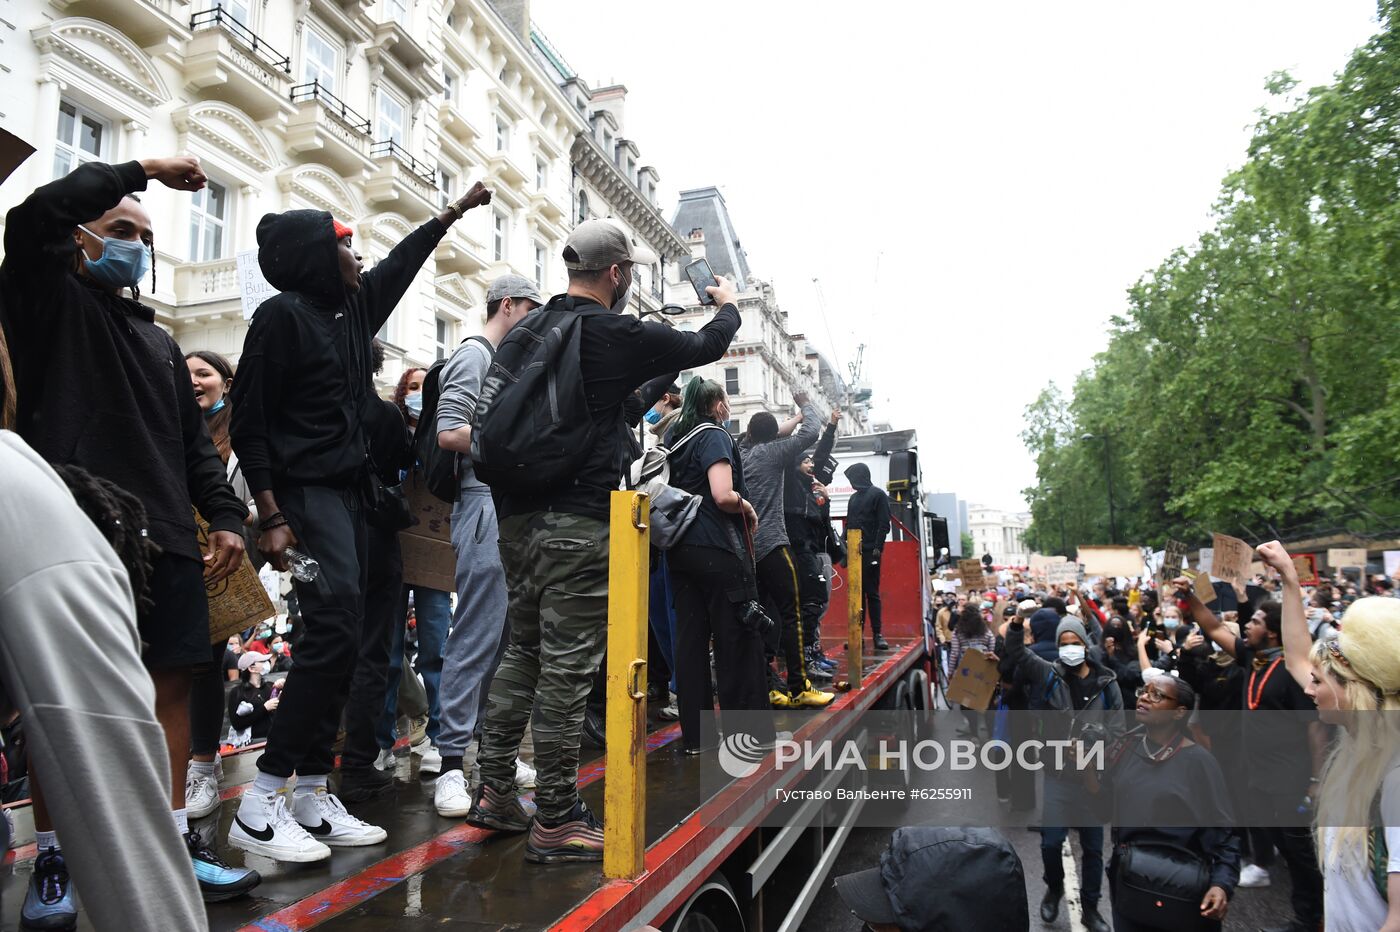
(1175, 861)
(1355, 680)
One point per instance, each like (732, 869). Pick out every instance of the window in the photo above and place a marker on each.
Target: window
(582, 206)
(82, 137)
(502, 135)
(732, 425)
(541, 174)
(731, 381)
(241, 10)
(209, 216)
(541, 257)
(443, 338)
(498, 240)
(449, 86)
(447, 186)
(398, 11)
(320, 61)
(390, 122)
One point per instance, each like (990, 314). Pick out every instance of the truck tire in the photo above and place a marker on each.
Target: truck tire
(712, 908)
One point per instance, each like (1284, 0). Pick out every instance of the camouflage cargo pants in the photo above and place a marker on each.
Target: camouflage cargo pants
(557, 582)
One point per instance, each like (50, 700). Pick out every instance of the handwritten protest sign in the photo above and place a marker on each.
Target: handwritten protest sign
(1339, 558)
(1064, 573)
(1200, 584)
(1232, 559)
(1114, 560)
(428, 558)
(974, 681)
(1305, 564)
(238, 602)
(253, 289)
(1175, 553)
(970, 571)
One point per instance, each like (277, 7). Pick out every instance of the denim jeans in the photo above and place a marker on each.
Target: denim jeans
(433, 610)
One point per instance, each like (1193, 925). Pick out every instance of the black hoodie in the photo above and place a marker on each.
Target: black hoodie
(99, 384)
(868, 511)
(300, 399)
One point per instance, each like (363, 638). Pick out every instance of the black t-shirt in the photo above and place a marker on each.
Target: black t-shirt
(230, 661)
(690, 472)
(1277, 753)
(1081, 689)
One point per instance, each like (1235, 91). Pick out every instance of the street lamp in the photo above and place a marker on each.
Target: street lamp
(1107, 439)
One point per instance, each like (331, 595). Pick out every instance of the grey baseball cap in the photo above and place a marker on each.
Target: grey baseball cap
(513, 286)
(597, 244)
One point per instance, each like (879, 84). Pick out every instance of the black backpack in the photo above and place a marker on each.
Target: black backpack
(532, 431)
(438, 466)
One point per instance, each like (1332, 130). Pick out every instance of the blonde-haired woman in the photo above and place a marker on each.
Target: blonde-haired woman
(1355, 680)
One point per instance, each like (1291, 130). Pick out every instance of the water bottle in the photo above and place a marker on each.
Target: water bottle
(303, 568)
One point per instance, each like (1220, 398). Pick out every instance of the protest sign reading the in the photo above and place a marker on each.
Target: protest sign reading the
(238, 602)
(1111, 560)
(428, 558)
(970, 571)
(1305, 564)
(974, 681)
(1232, 559)
(1064, 573)
(1175, 552)
(1339, 558)
(253, 289)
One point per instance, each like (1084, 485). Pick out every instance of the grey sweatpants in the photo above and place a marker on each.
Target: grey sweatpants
(477, 640)
(70, 661)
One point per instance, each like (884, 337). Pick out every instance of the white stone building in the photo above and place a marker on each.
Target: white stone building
(376, 110)
(999, 533)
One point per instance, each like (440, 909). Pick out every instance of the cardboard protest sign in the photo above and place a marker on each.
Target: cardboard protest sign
(974, 681)
(970, 572)
(1232, 559)
(253, 289)
(428, 558)
(1339, 558)
(1040, 559)
(1111, 560)
(238, 602)
(1305, 564)
(1175, 553)
(1201, 585)
(1063, 573)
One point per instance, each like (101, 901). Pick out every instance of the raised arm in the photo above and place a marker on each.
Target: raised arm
(1297, 642)
(659, 349)
(1211, 626)
(791, 448)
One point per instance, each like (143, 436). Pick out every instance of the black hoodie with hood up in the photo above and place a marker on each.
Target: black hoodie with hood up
(100, 384)
(304, 379)
(868, 511)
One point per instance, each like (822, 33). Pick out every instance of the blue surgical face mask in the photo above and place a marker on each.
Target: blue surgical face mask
(123, 264)
(414, 403)
(653, 416)
(1072, 655)
(218, 406)
(1171, 623)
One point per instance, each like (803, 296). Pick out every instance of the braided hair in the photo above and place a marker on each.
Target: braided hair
(121, 518)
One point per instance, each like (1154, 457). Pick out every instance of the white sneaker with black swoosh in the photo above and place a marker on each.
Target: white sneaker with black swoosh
(324, 816)
(264, 826)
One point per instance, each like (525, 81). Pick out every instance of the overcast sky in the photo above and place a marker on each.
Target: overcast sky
(975, 184)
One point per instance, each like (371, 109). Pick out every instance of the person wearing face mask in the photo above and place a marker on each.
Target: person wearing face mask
(1074, 682)
(1354, 679)
(253, 701)
(101, 386)
(303, 416)
(554, 546)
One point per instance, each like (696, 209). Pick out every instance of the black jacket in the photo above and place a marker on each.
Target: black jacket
(99, 384)
(868, 511)
(300, 402)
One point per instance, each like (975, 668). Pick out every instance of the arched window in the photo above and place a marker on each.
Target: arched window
(582, 206)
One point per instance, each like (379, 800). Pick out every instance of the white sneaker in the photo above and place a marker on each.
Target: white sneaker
(264, 826)
(385, 760)
(1254, 876)
(430, 762)
(451, 797)
(670, 712)
(201, 794)
(324, 816)
(524, 774)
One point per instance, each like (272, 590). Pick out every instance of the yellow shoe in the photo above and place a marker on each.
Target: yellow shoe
(811, 698)
(780, 700)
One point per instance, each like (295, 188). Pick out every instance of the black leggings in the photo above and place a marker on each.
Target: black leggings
(779, 582)
(709, 585)
(207, 702)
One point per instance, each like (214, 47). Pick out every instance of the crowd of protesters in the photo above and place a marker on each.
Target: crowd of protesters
(1327, 654)
(293, 462)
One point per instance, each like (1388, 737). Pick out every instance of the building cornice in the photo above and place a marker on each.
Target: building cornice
(599, 171)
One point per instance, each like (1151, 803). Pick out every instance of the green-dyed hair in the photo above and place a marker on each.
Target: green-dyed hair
(697, 401)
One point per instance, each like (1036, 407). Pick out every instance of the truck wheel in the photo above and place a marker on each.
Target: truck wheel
(712, 908)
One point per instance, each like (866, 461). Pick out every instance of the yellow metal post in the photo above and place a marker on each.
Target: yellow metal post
(855, 609)
(624, 792)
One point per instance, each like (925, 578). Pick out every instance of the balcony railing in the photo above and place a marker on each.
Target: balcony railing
(389, 147)
(332, 103)
(220, 18)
